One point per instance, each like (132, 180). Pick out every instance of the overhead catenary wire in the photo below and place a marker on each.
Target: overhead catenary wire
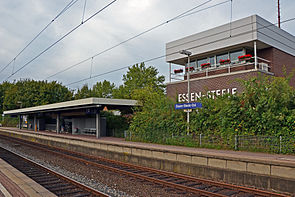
(166, 55)
(183, 14)
(85, 1)
(72, 2)
(231, 16)
(89, 18)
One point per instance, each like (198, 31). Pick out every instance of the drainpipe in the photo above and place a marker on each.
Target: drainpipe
(255, 55)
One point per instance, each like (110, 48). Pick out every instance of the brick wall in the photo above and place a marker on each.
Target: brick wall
(278, 59)
(209, 84)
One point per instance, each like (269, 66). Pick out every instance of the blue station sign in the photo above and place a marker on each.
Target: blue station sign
(188, 105)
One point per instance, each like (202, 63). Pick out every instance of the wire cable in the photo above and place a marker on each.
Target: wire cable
(89, 18)
(82, 21)
(58, 15)
(133, 37)
(166, 55)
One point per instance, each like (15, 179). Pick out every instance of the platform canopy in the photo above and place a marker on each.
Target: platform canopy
(120, 104)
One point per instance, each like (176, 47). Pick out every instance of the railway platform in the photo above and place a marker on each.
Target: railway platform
(261, 170)
(13, 183)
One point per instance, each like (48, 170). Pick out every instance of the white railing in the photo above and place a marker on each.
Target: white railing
(262, 65)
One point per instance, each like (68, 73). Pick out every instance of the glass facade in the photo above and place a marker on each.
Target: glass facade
(214, 60)
(234, 55)
(202, 61)
(221, 57)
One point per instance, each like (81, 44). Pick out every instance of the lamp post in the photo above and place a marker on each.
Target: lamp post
(20, 117)
(188, 53)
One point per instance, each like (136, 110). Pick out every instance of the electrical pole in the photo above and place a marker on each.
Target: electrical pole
(279, 14)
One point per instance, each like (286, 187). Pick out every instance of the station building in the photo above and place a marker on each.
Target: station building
(76, 117)
(220, 56)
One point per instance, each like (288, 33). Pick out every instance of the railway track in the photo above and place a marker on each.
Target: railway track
(52, 181)
(190, 185)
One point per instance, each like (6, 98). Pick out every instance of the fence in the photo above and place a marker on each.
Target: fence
(265, 144)
(270, 144)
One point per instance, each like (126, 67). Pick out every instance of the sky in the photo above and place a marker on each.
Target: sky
(21, 21)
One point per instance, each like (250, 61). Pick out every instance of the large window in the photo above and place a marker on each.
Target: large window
(221, 57)
(212, 61)
(202, 61)
(191, 64)
(234, 55)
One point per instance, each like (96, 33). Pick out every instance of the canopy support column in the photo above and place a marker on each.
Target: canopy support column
(57, 123)
(255, 55)
(97, 124)
(35, 122)
(20, 122)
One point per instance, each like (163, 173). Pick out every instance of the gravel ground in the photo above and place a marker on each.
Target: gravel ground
(111, 183)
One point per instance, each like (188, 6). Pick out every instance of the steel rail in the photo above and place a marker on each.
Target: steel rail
(60, 176)
(180, 176)
(154, 180)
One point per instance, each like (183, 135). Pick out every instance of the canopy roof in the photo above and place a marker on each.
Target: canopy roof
(76, 104)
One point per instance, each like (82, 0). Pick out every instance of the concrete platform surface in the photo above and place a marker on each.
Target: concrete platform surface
(13, 183)
(288, 160)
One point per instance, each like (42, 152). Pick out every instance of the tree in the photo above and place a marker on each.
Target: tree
(103, 89)
(137, 77)
(84, 92)
(33, 93)
(156, 120)
(3, 88)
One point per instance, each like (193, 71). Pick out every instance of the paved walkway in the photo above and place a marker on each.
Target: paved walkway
(263, 157)
(13, 183)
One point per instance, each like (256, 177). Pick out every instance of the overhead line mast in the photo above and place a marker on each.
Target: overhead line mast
(279, 14)
(65, 35)
(182, 15)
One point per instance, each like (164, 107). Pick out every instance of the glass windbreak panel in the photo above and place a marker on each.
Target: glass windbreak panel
(234, 55)
(202, 61)
(212, 61)
(191, 64)
(221, 57)
(249, 51)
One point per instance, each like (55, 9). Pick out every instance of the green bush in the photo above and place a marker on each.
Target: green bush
(265, 108)
(9, 121)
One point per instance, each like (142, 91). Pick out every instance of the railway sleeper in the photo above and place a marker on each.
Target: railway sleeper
(246, 195)
(82, 195)
(56, 185)
(49, 179)
(70, 193)
(193, 184)
(52, 182)
(182, 182)
(202, 187)
(34, 174)
(215, 189)
(228, 192)
(44, 178)
(63, 188)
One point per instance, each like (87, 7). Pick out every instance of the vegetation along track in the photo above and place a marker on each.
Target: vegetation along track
(52, 181)
(188, 184)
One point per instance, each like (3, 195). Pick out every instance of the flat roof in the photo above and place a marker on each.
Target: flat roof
(240, 33)
(81, 103)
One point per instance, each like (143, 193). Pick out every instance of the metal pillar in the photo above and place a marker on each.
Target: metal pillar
(35, 122)
(57, 122)
(170, 72)
(20, 122)
(188, 90)
(97, 121)
(255, 54)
